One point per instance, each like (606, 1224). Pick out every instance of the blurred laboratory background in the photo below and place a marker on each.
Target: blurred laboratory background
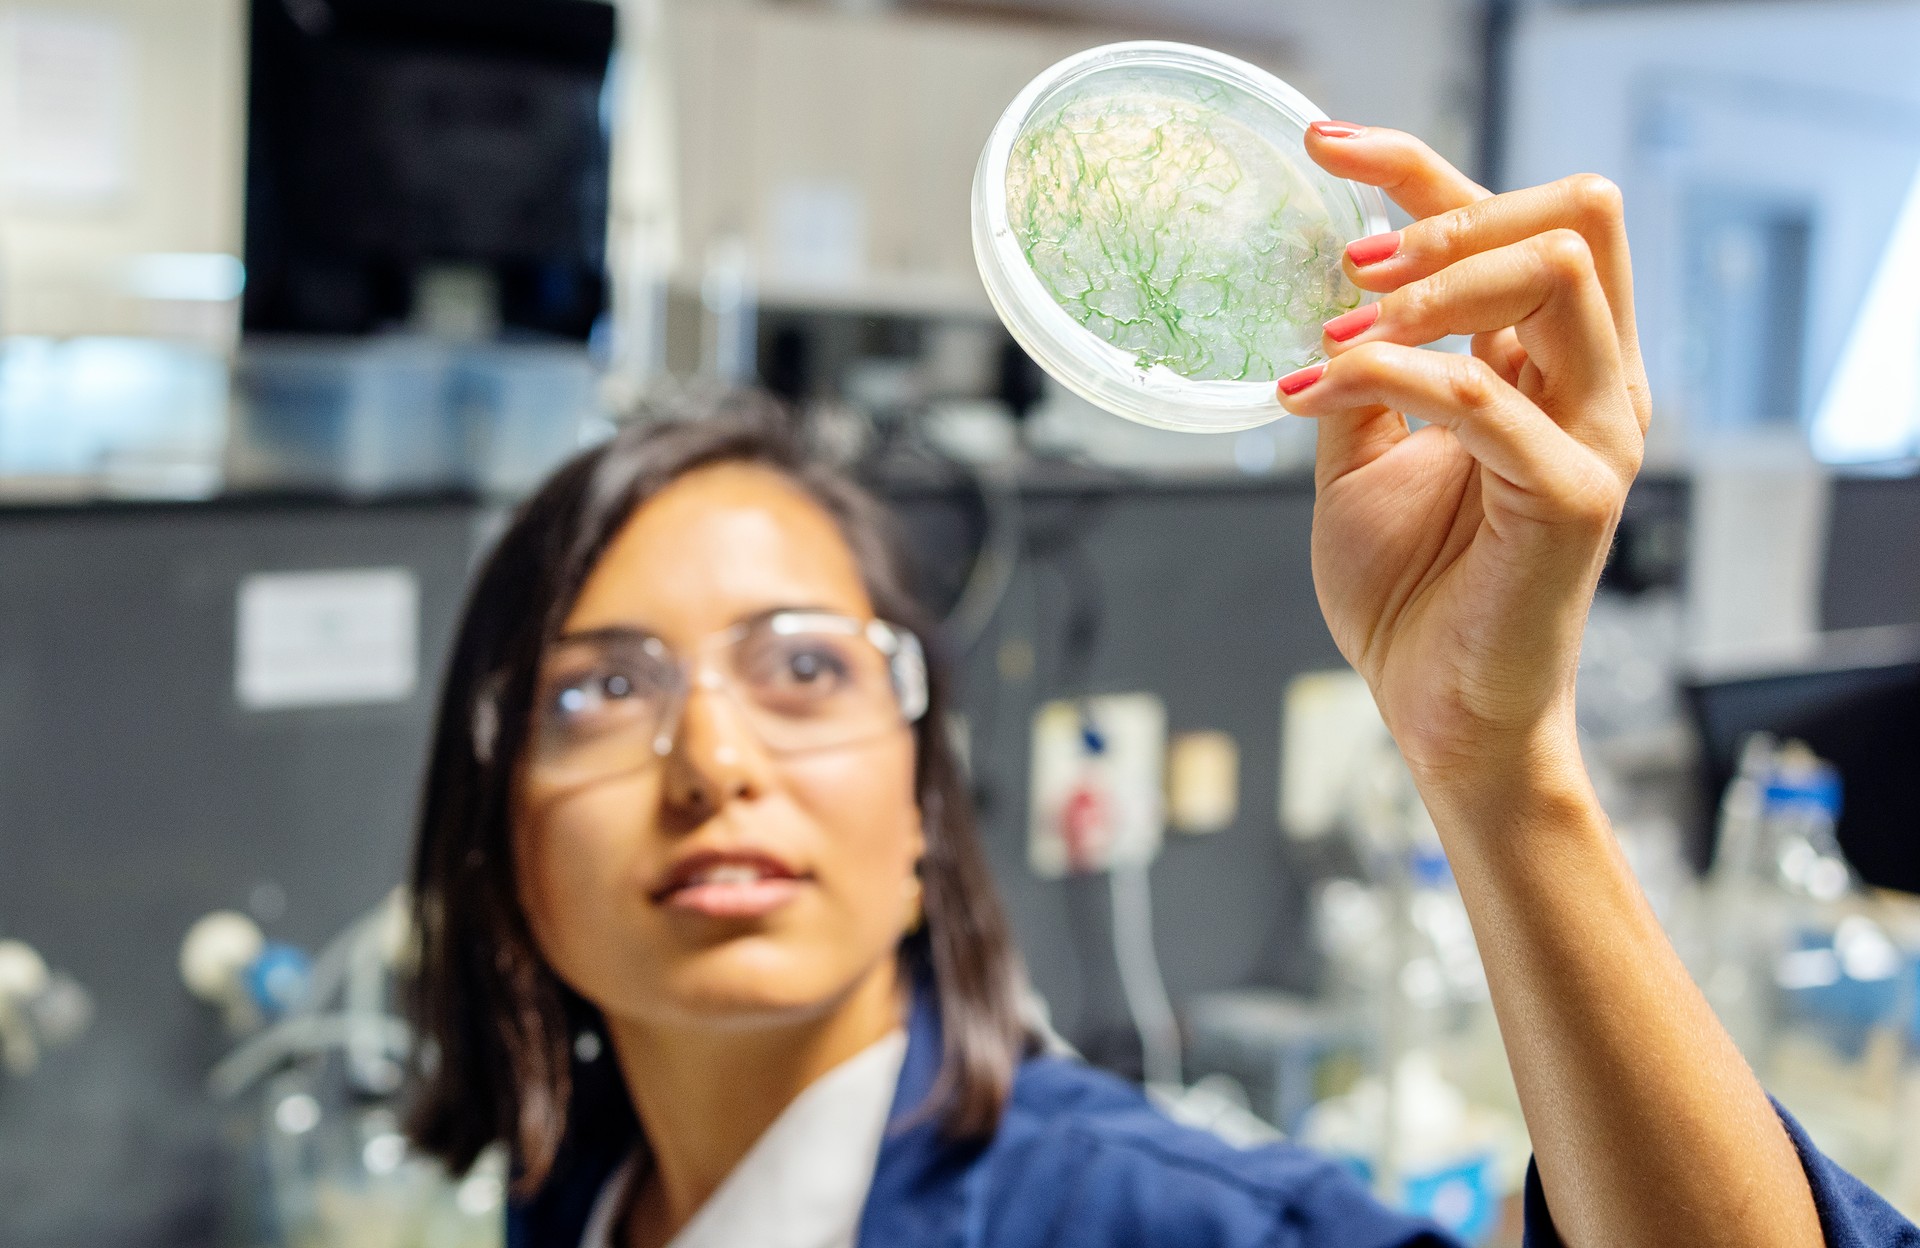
(299, 297)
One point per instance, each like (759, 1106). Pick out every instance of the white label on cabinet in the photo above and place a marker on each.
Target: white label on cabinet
(327, 638)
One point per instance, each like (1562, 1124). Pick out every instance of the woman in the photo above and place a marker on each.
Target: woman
(707, 937)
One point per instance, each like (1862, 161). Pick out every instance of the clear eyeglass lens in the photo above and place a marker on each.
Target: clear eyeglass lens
(813, 687)
(600, 702)
(802, 681)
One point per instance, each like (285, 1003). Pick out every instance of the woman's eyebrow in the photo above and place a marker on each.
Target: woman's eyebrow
(791, 608)
(629, 633)
(606, 633)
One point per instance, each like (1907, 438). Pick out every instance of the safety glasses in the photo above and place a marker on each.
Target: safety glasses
(609, 701)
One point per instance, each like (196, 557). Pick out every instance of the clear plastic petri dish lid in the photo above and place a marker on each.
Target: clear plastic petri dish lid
(1151, 230)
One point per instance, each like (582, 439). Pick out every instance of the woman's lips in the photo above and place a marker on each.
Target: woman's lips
(729, 885)
(747, 899)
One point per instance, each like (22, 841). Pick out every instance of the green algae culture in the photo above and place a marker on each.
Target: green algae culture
(1167, 225)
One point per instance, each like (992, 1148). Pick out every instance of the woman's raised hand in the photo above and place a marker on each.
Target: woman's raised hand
(1456, 562)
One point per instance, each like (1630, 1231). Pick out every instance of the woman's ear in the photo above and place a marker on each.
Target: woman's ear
(916, 887)
(916, 898)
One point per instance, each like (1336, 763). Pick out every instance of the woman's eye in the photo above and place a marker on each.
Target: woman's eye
(809, 666)
(601, 691)
(815, 667)
(800, 674)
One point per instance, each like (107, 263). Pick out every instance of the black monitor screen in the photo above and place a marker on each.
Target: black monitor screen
(1865, 720)
(389, 139)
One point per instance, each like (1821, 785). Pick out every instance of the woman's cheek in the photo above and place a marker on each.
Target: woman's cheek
(579, 859)
(863, 803)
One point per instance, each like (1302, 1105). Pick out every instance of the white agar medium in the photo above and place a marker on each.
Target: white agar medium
(1151, 230)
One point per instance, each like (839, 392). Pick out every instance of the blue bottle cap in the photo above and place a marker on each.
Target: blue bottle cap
(1429, 868)
(1816, 787)
(279, 978)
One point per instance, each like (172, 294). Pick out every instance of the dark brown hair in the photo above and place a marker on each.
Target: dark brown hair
(497, 1025)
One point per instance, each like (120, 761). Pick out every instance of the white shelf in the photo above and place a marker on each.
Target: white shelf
(879, 295)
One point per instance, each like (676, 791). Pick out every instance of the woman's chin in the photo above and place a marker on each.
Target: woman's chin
(755, 983)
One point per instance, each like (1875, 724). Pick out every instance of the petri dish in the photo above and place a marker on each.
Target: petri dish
(1150, 229)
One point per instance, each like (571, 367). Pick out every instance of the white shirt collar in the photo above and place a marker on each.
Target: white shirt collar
(804, 1182)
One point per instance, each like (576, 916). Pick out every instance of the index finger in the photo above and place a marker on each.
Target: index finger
(1456, 217)
(1412, 174)
(1585, 203)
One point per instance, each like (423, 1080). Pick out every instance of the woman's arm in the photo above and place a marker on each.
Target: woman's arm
(1456, 565)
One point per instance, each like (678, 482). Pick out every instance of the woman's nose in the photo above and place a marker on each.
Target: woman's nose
(714, 759)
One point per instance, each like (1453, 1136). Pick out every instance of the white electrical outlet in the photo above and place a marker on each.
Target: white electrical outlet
(1097, 795)
(1330, 730)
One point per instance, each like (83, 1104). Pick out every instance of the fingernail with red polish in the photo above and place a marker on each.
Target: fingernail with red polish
(1294, 383)
(1335, 129)
(1352, 324)
(1373, 249)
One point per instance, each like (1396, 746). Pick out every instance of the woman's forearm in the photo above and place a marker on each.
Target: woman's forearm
(1648, 1127)
(1456, 565)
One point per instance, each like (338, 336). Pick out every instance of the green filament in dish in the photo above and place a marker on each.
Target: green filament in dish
(1176, 232)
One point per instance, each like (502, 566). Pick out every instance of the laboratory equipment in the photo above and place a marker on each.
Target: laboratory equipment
(1807, 967)
(319, 1069)
(1856, 704)
(40, 1008)
(227, 962)
(111, 1138)
(110, 416)
(356, 417)
(1402, 1051)
(1150, 229)
(400, 413)
(1097, 801)
(1285, 1051)
(1096, 807)
(479, 159)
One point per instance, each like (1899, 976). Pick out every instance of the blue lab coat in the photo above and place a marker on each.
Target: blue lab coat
(1082, 1160)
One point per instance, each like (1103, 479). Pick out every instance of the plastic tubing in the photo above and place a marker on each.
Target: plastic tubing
(1140, 981)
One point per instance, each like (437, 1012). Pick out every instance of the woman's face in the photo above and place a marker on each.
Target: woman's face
(723, 884)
